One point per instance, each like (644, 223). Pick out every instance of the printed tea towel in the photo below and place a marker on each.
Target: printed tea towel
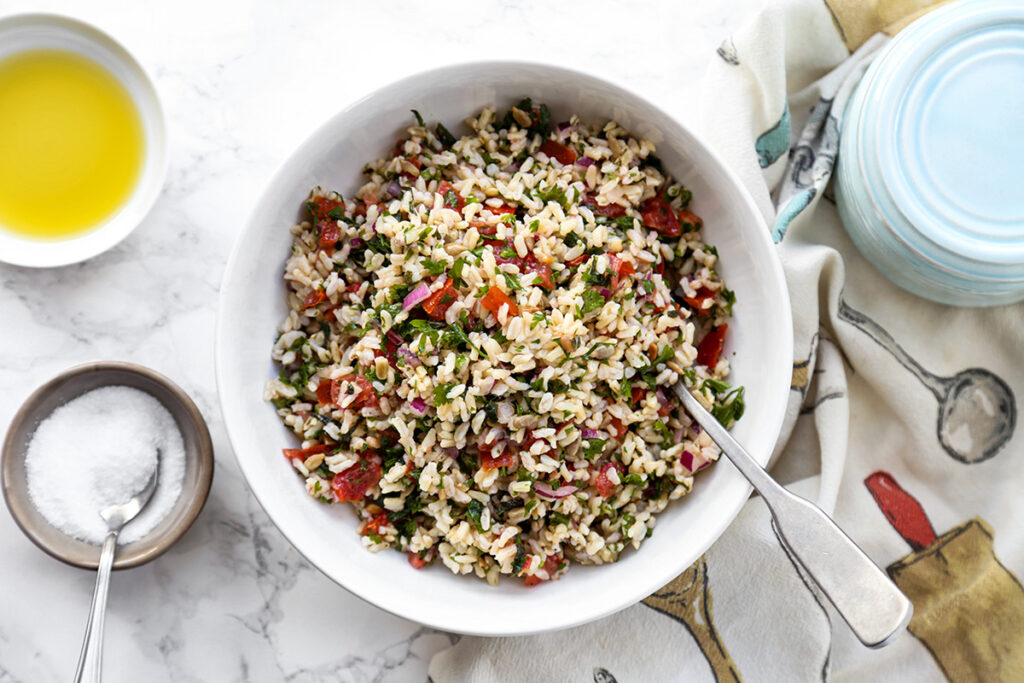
(901, 423)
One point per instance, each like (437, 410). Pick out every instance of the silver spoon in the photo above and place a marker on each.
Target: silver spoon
(116, 516)
(977, 412)
(874, 608)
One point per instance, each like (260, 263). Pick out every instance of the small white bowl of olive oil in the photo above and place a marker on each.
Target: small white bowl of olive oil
(83, 146)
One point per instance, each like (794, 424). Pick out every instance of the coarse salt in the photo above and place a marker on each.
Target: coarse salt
(98, 450)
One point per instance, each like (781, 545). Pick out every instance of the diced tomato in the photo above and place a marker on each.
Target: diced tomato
(352, 484)
(710, 347)
(500, 210)
(689, 221)
(354, 287)
(360, 209)
(664, 406)
(329, 234)
(303, 453)
(416, 561)
(551, 565)
(531, 439)
(696, 302)
(504, 247)
(451, 197)
(582, 258)
(313, 298)
(658, 215)
(391, 343)
(365, 397)
(621, 269)
(323, 392)
(617, 428)
(485, 229)
(374, 525)
(530, 264)
(637, 394)
(490, 462)
(415, 161)
(556, 150)
(321, 206)
(605, 487)
(437, 304)
(608, 210)
(495, 298)
(659, 268)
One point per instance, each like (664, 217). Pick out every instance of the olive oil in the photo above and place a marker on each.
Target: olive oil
(71, 144)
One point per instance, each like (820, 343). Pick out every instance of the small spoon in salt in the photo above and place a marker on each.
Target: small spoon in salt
(116, 516)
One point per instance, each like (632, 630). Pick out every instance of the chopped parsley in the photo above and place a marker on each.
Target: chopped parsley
(444, 135)
(513, 282)
(592, 300)
(441, 394)
(433, 267)
(731, 408)
(593, 448)
(474, 511)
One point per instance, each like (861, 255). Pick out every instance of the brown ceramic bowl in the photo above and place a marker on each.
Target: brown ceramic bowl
(68, 385)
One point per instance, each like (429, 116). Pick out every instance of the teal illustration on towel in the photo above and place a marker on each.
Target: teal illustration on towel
(789, 211)
(774, 142)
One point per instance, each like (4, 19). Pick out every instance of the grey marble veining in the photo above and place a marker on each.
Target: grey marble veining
(242, 84)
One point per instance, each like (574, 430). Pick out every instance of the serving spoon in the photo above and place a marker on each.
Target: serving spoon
(977, 412)
(116, 516)
(873, 607)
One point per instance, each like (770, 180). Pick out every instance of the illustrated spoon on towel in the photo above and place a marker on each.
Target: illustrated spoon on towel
(870, 603)
(116, 516)
(977, 412)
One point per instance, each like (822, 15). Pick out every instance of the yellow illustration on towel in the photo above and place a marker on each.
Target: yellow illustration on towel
(687, 599)
(858, 20)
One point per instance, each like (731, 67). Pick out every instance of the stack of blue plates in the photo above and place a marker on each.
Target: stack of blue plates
(930, 178)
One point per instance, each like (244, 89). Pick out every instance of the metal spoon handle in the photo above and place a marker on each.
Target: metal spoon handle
(92, 643)
(872, 605)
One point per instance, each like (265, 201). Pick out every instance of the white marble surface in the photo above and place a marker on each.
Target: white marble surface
(242, 84)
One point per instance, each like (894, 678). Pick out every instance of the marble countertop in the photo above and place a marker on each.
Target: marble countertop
(242, 84)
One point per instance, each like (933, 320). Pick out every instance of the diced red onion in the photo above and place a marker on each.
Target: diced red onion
(588, 433)
(662, 399)
(394, 189)
(410, 357)
(687, 459)
(451, 452)
(416, 296)
(511, 168)
(584, 162)
(546, 491)
(395, 339)
(357, 243)
(419, 405)
(563, 130)
(606, 293)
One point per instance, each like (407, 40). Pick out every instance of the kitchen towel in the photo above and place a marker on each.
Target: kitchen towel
(901, 424)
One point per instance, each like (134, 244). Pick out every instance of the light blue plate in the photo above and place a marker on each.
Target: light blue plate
(932, 156)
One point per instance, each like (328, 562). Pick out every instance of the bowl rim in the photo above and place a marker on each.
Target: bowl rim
(111, 231)
(18, 502)
(234, 264)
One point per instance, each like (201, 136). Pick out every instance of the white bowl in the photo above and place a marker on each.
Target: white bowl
(252, 303)
(49, 31)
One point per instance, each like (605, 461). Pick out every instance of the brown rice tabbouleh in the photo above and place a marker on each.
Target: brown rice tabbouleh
(481, 343)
